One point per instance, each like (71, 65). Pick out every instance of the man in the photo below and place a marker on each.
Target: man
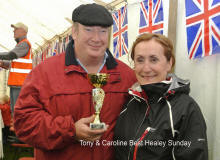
(21, 63)
(55, 106)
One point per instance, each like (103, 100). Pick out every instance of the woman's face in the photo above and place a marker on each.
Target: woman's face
(150, 63)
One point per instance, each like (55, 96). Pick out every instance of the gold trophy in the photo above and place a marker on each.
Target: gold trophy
(98, 95)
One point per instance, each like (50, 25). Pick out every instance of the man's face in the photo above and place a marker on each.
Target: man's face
(19, 32)
(90, 41)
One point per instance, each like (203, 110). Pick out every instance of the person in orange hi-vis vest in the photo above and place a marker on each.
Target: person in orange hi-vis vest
(18, 60)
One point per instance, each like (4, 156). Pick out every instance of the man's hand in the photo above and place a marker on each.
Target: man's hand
(84, 132)
(1, 63)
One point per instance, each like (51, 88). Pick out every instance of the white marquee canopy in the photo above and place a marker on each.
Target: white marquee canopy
(44, 18)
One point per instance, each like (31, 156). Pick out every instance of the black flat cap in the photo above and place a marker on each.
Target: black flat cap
(92, 15)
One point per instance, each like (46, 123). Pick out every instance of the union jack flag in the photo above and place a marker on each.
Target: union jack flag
(202, 27)
(55, 50)
(120, 32)
(44, 54)
(151, 17)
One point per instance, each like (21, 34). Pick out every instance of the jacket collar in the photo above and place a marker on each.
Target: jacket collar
(70, 58)
(150, 93)
(136, 91)
(175, 85)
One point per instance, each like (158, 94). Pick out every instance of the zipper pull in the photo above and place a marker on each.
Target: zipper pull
(139, 141)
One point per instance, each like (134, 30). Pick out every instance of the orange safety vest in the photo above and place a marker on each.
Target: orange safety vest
(20, 68)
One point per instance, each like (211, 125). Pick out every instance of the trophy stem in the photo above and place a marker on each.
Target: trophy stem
(96, 120)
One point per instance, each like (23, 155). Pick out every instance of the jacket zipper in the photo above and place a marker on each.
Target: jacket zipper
(139, 141)
(146, 113)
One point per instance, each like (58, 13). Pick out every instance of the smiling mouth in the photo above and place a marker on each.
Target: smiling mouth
(147, 77)
(94, 47)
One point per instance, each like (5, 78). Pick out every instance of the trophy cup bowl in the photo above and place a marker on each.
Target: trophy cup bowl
(98, 80)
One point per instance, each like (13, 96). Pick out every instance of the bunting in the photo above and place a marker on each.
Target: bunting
(151, 17)
(202, 27)
(120, 32)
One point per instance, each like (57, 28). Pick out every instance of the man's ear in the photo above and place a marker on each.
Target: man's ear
(74, 32)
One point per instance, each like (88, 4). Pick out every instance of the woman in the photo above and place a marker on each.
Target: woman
(161, 121)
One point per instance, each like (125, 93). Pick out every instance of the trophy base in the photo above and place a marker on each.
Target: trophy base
(95, 126)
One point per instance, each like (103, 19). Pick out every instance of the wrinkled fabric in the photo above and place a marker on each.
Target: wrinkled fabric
(55, 96)
(148, 110)
(6, 113)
